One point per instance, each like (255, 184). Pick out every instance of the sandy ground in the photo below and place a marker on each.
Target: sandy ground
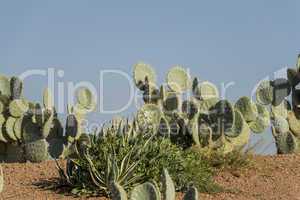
(272, 177)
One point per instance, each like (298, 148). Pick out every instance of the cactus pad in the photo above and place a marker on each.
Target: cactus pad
(9, 128)
(281, 110)
(168, 188)
(5, 86)
(247, 108)
(171, 102)
(282, 89)
(206, 90)
(178, 79)
(205, 105)
(3, 103)
(16, 87)
(48, 99)
(262, 121)
(294, 123)
(148, 118)
(264, 93)
(18, 128)
(14, 153)
(36, 151)
(117, 192)
(140, 72)
(72, 126)
(222, 116)
(86, 98)
(191, 194)
(189, 108)
(18, 107)
(280, 124)
(293, 76)
(146, 191)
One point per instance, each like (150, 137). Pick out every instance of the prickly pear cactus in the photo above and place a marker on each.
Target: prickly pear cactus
(178, 79)
(146, 191)
(168, 187)
(117, 192)
(191, 194)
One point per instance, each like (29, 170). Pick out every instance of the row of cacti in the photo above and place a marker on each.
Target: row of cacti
(151, 191)
(285, 116)
(31, 132)
(203, 119)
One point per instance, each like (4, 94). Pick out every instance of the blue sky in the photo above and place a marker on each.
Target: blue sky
(219, 41)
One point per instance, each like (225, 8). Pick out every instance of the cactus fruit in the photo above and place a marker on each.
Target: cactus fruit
(146, 191)
(18, 107)
(36, 151)
(178, 79)
(16, 87)
(264, 93)
(206, 90)
(247, 108)
(141, 72)
(5, 86)
(117, 192)
(262, 121)
(191, 194)
(168, 188)
(282, 89)
(280, 124)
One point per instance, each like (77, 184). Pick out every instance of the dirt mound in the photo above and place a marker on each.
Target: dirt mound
(272, 177)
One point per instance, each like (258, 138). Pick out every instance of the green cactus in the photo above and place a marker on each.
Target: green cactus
(294, 123)
(5, 86)
(48, 99)
(16, 88)
(280, 124)
(9, 128)
(4, 101)
(146, 191)
(14, 153)
(262, 121)
(36, 151)
(171, 102)
(178, 79)
(18, 107)
(191, 194)
(148, 118)
(281, 110)
(281, 89)
(141, 72)
(168, 188)
(86, 99)
(247, 108)
(285, 142)
(117, 192)
(264, 93)
(206, 90)
(189, 108)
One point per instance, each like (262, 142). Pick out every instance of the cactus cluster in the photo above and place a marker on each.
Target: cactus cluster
(203, 118)
(27, 128)
(284, 116)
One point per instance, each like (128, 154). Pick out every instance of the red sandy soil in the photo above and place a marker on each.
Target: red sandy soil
(271, 177)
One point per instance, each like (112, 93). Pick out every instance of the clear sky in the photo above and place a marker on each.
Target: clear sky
(219, 41)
